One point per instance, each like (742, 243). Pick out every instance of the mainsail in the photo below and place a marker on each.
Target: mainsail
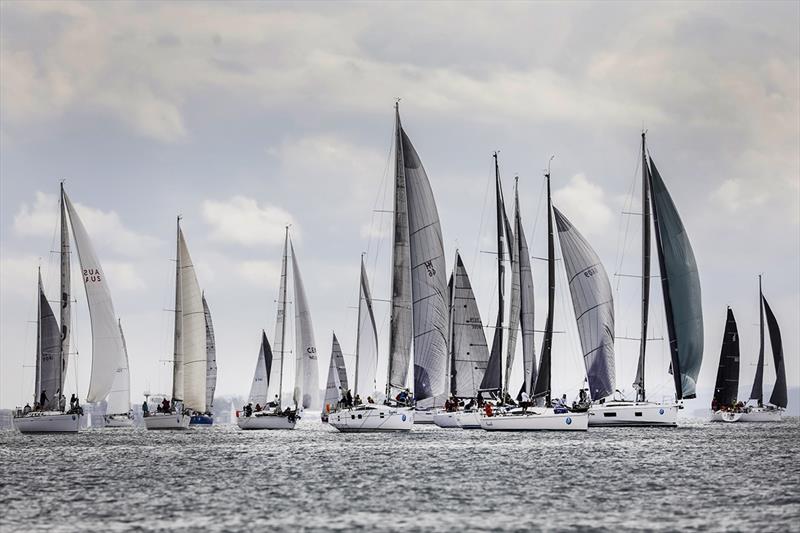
(366, 340)
(276, 385)
(193, 333)
(48, 340)
(470, 354)
(594, 306)
(779, 394)
(541, 388)
(261, 377)
(119, 399)
(526, 300)
(428, 278)
(107, 350)
(401, 316)
(306, 373)
(65, 297)
(639, 384)
(335, 384)
(211, 356)
(177, 351)
(680, 285)
(726, 388)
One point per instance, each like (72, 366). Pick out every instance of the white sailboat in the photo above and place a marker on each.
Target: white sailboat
(680, 285)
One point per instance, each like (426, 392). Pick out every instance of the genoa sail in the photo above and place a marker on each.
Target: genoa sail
(306, 372)
(119, 398)
(593, 303)
(107, 349)
(211, 356)
(726, 388)
(428, 279)
(680, 283)
(48, 341)
(193, 324)
(366, 340)
(334, 384)
(261, 377)
(779, 394)
(470, 354)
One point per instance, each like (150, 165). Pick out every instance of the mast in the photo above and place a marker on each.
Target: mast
(501, 271)
(543, 379)
(758, 384)
(38, 383)
(177, 351)
(282, 311)
(640, 369)
(451, 370)
(65, 303)
(358, 324)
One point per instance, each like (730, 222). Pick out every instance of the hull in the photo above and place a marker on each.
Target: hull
(118, 421)
(716, 416)
(48, 422)
(469, 420)
(373, 417)
(171, 421)
(445, 419)
(266, 421)
(423, 416)
(537, 419)
(201, 420)
(760, 414)
(633, 414)
(730, 416)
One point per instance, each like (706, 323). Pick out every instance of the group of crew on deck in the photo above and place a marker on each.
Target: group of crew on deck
(274, 407)
(42, 405)
(735, 407)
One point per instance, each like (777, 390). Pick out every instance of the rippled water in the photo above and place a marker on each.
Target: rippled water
(698, 476)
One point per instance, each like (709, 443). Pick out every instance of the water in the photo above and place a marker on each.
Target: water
(698, 476)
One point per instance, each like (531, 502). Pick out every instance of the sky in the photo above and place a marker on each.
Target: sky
(246, 117)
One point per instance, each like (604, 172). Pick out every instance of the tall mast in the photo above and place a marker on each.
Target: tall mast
(282, 310)
(501, 274)
(551, 291)
(758, 383)
(65, 301)
(640, 369)
(451, 360)
(177, 350)
(38, 382)
(358, 322)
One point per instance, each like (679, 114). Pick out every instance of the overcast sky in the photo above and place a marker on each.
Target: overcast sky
(244, 117)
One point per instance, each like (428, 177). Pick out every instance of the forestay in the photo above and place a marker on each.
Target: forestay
(306, 373)
(193, 333)
(211, 356)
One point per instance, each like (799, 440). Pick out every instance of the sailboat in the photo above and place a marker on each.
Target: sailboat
(189, 348)
(336, 383)
(772, 411)
(274, 416)
(207, 418)
(540, 417)
(119, 398)
(469, 353)
(680, 285)
(726, 387)
(109, 359)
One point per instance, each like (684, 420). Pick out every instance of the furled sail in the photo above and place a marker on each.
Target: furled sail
(211, 356)
(335, 385)
(779, 394)
(470, 352)
(276, 385)
(366, 341)
(428, 279)
(107, 350)
(261, 377)
(401, 315)
(526, 302)
(726, 388)
(119, 399)
(193, 333)
(48, 341)
(680, 284)
(594, 306)
(306, 372)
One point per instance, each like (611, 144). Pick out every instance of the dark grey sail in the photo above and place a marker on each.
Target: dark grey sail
(261, 378)
(779, 393)
(211, 357)
(726, 388)
(526, 301)
(48, 360)
(542, 387)
(594, 307)
(680, 284)
(470, 354)
(757, 392)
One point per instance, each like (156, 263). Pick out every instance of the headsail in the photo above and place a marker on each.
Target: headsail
(107, 350)
(469, 349)
(366, 340)
(428, 278)
(779, 394)
(726, 388)
(306, 372)
(48, 340)
(211, 356)
(335, 385)
(594, 306)
(680, 284)
(119, 399)
(261, 377)
(193, 333)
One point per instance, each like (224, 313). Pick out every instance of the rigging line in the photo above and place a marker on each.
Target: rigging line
(475, 270)
(622, 241)
(380, 199)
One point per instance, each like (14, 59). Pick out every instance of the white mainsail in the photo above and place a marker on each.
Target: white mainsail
(211, 356)
(366, 341)
(177, 351)
(119, 399)
(306, 373)
(276, 385)
(107, 350)
(193, 333)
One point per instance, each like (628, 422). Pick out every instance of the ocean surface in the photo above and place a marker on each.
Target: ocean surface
(699, 476)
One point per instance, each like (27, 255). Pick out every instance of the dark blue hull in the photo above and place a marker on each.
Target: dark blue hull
(201, 420)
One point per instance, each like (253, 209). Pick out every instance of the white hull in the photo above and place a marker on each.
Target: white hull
(716, 416)
(759, 414)
(373, 417)
(445, 419)
(536, 419)
(469, 420)
(168, 421)
(266, 421)
(629, 414)
(118, 421)
(48, 422)
(423, 416)
(730, 416)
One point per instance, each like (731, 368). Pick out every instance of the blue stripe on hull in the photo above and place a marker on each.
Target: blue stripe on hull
(201, 420)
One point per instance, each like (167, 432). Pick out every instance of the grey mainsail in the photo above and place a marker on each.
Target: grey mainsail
(48, 341)
(428, 279)
(66, 296)
(680, 285)
(726, 388)
(542, 389)
(779, 394)
(259, 388)
(526, 300)
(211, 357)
(757, 392)
(594, 306)
(470, 354)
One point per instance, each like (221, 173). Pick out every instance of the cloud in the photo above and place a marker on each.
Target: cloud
(243, 221)
(261, 274)
(584, 203)
(124, 276)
